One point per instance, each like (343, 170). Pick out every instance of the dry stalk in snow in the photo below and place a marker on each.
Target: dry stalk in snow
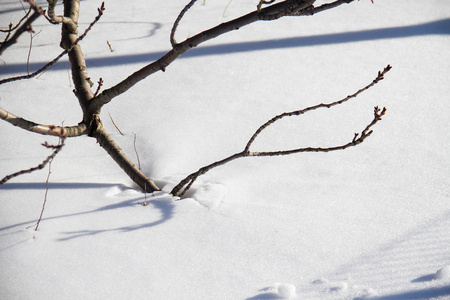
(92, 102)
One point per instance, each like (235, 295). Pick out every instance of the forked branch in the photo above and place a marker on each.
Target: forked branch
(357, 139)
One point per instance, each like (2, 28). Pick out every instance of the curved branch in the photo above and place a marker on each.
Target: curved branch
(177, 21)
(357, 139)
(66, 131)
(60, 19)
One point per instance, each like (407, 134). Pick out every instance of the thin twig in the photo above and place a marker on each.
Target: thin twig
(379, 77)
(110, 47)
(38, 11)
(114, 123)
(56, 149)
(11, 28)
(29, 50)
(45, 196)
(177, 21)
(135, 150)
(226, 7)
(100, 84)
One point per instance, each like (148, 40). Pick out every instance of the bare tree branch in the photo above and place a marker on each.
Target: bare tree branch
(107, 143)
(357, 139)
(66, 131)
(92, 103)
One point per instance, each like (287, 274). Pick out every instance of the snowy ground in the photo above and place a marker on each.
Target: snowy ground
(370, 222)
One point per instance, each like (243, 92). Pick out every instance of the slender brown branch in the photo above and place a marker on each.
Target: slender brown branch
(357, 139)
(56, 150)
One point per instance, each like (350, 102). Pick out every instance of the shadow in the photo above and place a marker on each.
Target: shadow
(414, 295)
(163, 205)
(425, 278)
(440, 27)
(265, 296)
(57, 185)
(160, 201)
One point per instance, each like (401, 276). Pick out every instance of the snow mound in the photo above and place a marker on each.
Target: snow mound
(443, 273)
(276, 291)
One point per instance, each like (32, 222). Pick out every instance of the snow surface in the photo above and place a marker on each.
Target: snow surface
(370, 222)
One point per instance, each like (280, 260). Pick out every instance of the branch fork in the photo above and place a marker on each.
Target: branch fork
(357, 139)
(92, 102)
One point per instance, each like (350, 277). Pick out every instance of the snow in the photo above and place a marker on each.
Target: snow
(370, 222)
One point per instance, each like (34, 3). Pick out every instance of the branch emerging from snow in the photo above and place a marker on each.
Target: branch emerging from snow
(357, 139)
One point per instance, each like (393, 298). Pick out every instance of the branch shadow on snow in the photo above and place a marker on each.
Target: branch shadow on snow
(55, 185)
(163, 205)
(440, 27)
(161, 202)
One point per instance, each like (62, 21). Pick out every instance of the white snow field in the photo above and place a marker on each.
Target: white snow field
(370, 222)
